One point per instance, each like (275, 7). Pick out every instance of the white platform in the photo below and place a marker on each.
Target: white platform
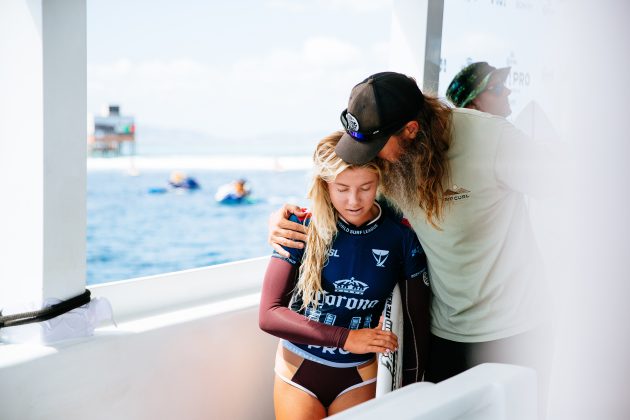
(486, 392)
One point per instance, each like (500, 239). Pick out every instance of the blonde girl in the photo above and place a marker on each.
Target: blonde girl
(324, 301)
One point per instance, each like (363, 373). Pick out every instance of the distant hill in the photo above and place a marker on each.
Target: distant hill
(159, 141)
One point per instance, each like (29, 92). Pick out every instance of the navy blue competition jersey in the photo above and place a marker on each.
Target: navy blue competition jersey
(364, 265)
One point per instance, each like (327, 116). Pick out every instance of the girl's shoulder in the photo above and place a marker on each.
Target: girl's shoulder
(396, 217)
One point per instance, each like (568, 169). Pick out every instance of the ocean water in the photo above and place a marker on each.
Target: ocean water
(133, 233)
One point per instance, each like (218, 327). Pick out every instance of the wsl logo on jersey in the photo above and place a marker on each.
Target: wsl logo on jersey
(353, 286)
(380, 255)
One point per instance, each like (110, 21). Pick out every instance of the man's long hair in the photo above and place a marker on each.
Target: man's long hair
(419, 178)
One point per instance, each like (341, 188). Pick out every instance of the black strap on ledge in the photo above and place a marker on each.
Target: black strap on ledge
(45, 313)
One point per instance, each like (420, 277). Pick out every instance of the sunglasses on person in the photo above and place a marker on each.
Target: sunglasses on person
(497, 89)
(358, 136)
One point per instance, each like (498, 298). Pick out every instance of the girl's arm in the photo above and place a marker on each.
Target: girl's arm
(274, 317)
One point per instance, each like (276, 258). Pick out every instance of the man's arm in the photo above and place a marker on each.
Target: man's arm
(528, 166)
(283, 232)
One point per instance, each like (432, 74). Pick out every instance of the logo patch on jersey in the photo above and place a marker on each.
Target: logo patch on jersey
(355, 322)
(333, 253)
(425, 278)
(353, 286)
(380, 255)
(313, 314)
(456, 193)
(417, 250)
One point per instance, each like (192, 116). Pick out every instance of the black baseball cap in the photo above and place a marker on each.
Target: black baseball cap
(378, 107)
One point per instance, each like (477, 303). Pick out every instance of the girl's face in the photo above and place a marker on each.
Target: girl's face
(352, 194)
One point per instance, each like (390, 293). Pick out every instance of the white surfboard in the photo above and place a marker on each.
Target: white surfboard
(389, 375)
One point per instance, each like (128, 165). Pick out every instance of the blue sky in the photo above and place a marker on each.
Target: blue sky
(234, 69)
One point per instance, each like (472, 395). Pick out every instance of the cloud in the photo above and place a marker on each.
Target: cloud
(329, 52)
(316, 55)
(351, 6)
(381, 50)
(360, 6)
(158, 75)
(478, 43)
(292, 90)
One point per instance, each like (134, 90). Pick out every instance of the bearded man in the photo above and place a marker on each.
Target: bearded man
(460, 177)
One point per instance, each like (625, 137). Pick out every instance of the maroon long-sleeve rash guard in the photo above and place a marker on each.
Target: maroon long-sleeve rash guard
(276, 318)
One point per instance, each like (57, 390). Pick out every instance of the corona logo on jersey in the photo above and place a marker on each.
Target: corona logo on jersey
(352, 286)
(329, 300)
(380, 255)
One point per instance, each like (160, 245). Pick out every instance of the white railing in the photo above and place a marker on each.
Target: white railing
(144, 296)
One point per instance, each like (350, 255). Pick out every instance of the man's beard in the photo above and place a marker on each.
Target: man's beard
(400, 179)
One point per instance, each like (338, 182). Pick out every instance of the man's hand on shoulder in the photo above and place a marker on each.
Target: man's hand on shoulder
(283, 232)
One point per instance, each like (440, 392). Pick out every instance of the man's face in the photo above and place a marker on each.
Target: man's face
(392, 150)
(394, 147)
(494, 99)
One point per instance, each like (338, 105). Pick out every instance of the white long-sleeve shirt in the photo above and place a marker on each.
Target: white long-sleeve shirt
(485, 267)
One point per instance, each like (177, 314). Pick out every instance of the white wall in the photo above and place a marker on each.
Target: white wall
(21, 133)
(64, 38)
(204, 362)
(42, 149)
(187, 346)
(408, 38)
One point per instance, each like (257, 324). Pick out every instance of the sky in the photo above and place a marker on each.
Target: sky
(234, 69)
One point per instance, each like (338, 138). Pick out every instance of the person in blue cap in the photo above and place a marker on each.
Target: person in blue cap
(482, 87)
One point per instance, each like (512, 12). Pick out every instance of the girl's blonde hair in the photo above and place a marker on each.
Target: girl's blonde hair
(323, 224)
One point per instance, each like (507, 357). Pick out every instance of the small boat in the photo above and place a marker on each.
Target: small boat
(178, 182)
